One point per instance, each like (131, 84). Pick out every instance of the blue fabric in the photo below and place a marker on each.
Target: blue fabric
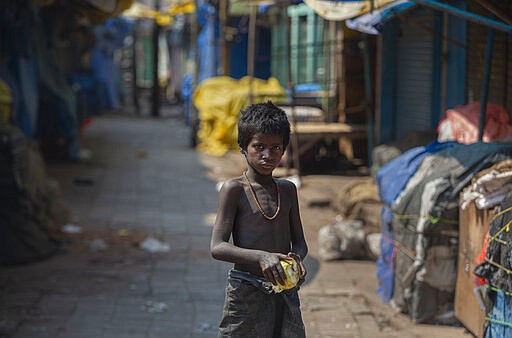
(186, 95)
(394, 175)
(109, 37)
(206, 43)
(501, 311)
(385, 269)
(22, 68)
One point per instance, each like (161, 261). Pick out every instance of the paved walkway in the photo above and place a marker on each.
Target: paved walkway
(143, 180)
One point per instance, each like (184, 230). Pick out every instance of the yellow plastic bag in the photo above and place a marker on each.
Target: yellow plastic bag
(292, 270)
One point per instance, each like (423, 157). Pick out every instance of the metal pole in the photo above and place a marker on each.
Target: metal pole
(194, 114)
(369, 96)
(485, 85)
(482, 20)
(155, 97)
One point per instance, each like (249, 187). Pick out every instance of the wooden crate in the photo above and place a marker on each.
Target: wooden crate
(474, 224)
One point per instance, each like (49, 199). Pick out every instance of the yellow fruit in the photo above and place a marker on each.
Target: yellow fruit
(292, 270)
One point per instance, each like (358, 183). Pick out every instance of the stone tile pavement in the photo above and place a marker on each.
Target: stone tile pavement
(144, 180)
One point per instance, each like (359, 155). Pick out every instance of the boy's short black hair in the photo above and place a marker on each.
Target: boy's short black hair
(265, 118)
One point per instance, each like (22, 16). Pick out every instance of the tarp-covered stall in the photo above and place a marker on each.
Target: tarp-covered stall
(425, 225)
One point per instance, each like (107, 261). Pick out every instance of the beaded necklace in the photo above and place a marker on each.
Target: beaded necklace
(258, 203)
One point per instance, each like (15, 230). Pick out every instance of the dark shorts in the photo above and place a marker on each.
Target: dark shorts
(249, 312)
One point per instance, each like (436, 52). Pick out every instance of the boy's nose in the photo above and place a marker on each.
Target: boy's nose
(265, 153)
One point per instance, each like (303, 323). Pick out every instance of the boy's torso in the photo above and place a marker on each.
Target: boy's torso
(253, 231)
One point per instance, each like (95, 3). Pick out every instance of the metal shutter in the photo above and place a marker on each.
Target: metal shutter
(414, 73)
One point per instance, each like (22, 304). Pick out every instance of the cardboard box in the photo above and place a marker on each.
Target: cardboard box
(473, 226)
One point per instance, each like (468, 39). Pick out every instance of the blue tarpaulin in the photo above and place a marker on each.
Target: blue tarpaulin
(501, 318)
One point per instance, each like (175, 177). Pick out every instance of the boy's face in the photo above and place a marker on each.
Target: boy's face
(264, 152)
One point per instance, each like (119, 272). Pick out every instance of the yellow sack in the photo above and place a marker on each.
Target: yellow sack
(219, 101)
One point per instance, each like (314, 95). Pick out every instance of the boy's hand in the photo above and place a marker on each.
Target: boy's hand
(303, 271)
(271, 267)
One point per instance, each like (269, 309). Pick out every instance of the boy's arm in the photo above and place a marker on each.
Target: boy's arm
(222, 249)
(298, 241)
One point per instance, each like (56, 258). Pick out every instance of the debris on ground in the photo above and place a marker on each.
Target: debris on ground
(154, 245)
(71, 229)
(98, 244)
(344, 239)
(154, 307)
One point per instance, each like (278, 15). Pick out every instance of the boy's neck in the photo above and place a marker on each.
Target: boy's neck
(254, 176)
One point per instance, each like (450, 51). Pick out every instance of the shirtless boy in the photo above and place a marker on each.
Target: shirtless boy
(261, 215)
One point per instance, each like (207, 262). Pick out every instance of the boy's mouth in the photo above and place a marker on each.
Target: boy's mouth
(267, 165)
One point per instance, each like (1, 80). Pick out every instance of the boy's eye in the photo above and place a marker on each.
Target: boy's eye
(277, 148)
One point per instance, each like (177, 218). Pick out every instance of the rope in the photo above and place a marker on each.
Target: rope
(432, 233)
(502, 212)
(489, 319)
(405, 250)
(507, 270)
(432, 219)
(506, 228)
(495, 289)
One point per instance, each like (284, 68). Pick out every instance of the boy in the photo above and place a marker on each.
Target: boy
(262, 216)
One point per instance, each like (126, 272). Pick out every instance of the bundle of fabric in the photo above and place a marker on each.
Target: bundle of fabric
(360, 201)
(425, 225)
(490, 186)
(31, 211)
(496, 270)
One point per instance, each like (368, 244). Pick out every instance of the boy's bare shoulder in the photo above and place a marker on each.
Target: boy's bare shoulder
(286, 185)
(233, 185)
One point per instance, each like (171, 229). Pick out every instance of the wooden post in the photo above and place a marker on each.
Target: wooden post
(135, 91)
(224, 59)
(251, 48)
(291, 87)
(155, 97)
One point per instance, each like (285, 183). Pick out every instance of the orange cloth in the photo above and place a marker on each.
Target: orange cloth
(480, 259)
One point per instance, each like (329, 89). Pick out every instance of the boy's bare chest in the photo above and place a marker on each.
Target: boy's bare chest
(253, 229)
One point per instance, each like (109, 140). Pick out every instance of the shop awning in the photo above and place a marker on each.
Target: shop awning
(163, 16)
(339, 10)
